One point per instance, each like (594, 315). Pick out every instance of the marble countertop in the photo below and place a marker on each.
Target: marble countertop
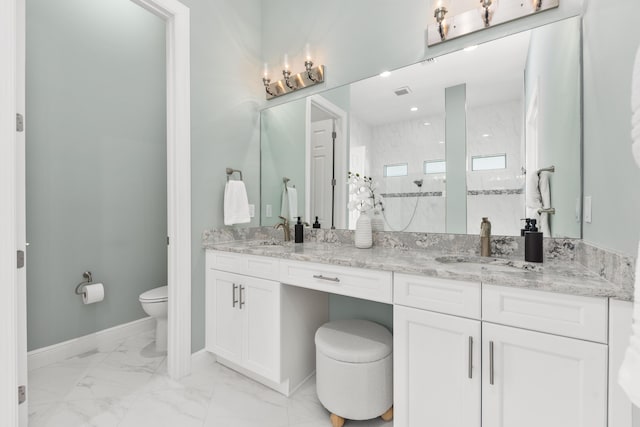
(566, 277)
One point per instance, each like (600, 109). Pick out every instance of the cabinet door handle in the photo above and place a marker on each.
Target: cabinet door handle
(491, 362)
(234, 300)
(470, 357)
(241, 296)
(330, 279)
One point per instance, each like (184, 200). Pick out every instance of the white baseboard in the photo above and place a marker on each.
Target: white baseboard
(103, 340)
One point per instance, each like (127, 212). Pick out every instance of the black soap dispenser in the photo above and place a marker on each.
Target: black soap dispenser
(533, 249)
(299, 231)
(316, 224)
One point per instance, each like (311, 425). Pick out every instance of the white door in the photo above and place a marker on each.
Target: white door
(357, 164)
(260, 306)
(223, 304)
(532, 379)
(321, 171)
(436, 369)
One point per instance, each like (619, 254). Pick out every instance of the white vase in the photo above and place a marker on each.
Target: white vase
(377, 222)
(363, 236)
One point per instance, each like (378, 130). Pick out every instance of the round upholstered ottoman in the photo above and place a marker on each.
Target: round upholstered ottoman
(354, 370)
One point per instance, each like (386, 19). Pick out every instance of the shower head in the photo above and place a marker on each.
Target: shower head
(418, 182)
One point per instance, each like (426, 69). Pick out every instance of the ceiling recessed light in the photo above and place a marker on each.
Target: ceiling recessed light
(427, 124)
(414, 108)
(470, 48)
(486, 135)
(385, 74)
(440, 142)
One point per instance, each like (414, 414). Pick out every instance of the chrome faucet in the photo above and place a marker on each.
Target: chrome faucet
(285, 228)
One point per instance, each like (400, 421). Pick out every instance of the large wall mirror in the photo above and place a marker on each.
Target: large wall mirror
(450, 140)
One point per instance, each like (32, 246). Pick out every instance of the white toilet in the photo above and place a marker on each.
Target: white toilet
(154, 303)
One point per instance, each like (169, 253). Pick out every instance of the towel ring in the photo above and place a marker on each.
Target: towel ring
(231, 171)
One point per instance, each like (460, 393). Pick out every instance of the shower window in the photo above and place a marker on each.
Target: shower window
(435, 166)
(396, 170)
(484, 163)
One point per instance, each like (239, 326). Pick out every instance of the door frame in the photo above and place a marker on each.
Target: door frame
(176, 17)
(9, 22)
(340, 115)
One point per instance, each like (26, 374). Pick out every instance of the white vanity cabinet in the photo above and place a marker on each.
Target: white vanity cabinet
(544, 365)
(258, 326)
(244, 322)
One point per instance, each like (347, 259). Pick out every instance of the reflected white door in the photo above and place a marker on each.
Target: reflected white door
(321, 171)
(357, 163)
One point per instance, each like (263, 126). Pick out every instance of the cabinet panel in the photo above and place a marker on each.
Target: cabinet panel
(261, 310)
(568, 315)
(441, 295)
(354, 282)
(542, 380)
(436, 369)
(225, 320)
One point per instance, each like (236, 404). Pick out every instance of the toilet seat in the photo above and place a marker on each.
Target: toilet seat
(159, 294)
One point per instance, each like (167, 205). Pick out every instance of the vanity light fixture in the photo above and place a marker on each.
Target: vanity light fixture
(439, 13)
(291, 82)
(468, 22)
(487, 11)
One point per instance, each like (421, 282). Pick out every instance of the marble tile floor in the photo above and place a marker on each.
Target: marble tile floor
(127, 386)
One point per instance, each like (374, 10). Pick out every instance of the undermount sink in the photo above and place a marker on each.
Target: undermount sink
(501, 262)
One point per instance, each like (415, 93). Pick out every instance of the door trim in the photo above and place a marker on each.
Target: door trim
(176, 16)
(9, 410)
(340, 115)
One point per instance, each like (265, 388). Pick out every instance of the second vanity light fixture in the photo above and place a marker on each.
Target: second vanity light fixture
(491, 13)
(309, 77)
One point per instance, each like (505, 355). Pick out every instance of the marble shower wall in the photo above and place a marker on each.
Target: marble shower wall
(493, 129)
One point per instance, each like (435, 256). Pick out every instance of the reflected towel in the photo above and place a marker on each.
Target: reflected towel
(284, 204)
(293, 203)
(629, 374)
(534, 200)
(545, 196)
(236, 203)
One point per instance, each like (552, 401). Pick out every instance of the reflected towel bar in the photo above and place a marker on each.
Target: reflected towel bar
(231, 172)
(549, 169)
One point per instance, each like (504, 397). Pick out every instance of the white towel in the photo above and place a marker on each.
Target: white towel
(534, 201)
(629, 374)
(635, 108)
(293, 203)
(236, 203)
(545, 195)
(289, 205)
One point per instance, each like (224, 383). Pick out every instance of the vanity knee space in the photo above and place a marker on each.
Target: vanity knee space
(471, 354)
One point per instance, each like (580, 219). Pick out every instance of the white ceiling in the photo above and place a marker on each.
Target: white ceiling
(493, 72)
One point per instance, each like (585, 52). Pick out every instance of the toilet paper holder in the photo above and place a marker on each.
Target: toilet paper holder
(88, 279)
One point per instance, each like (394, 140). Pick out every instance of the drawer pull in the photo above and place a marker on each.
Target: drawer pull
(233, 296)
(491, 362)
(470, 357)
(330, 279)
(241, 296)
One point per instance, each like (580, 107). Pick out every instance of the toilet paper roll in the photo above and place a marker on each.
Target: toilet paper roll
(93, 293)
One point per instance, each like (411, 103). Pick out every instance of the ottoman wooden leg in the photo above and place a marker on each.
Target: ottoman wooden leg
(336, 420)
(387, 416)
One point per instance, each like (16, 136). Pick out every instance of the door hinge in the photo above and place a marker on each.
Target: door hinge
(334, 182)
(19, 123)
(167, 240)
(22, 394)
(20, 256)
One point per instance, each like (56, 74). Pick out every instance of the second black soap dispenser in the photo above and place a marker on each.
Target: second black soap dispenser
(533, 248)
(299, 231)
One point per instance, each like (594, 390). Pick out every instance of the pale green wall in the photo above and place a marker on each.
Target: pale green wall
(283, 154)
(225, 96)
(553, 69)
(226, 92)
(611, 36)
(96, 155)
